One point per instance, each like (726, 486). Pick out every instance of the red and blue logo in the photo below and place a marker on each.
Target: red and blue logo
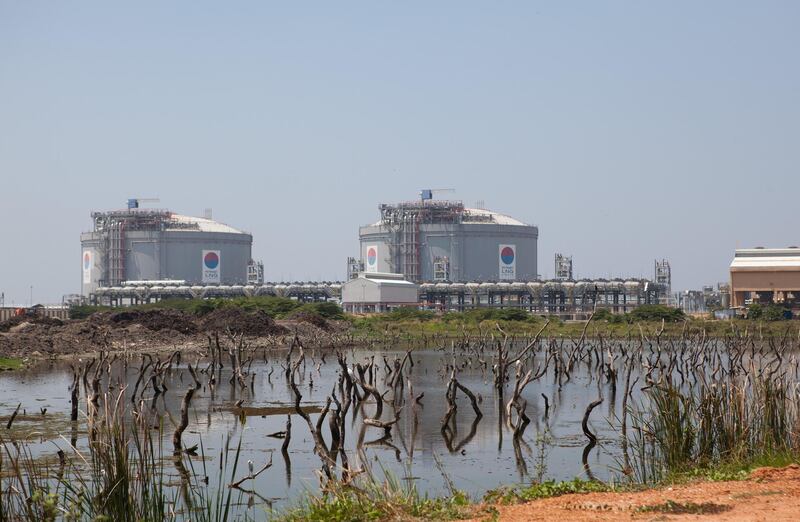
(372, 255)
(87, 260)
(211, 260)
(507, 255)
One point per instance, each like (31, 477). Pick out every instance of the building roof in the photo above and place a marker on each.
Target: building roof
(382, 278)
(203, 224)
(496, 217)
(388, 282)
(479, 215)
(766, 258)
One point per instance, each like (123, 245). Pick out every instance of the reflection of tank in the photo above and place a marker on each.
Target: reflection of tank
(442, 240)
(153, 245)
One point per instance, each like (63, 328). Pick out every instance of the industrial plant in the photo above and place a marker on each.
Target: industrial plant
(138, 244)
(462, 258)
(431, 240)
(434, 254)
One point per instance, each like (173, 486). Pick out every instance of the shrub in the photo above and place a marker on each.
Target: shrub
(775, 312)
(409, 313)
(84, 311)
(479, 314)
(511, 314)
(755, 311)
(604, 314)
(657, 313)
(771, 312)
(326, 309)
(490, 314)
(275, 307)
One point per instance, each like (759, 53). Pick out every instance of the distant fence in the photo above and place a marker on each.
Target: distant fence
(59, 312)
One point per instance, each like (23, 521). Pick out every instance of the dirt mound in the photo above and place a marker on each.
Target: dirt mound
(304, 316)
(155, 320)
(11, 322)
(239, 321)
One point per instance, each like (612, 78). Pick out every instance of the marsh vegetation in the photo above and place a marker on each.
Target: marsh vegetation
(388, 427)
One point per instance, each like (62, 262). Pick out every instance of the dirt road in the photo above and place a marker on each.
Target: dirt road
(769, 494)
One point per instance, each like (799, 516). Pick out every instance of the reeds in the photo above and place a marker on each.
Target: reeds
(738, 419)
(121, 476)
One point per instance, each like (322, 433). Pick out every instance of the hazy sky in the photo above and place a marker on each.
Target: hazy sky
(627, 131)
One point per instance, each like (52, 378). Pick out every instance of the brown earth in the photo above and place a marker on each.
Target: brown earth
(12, 322)
(304, 316)
(769, 494)
(240, 321)
(147, 330)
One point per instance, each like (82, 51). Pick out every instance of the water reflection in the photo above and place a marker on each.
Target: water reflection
(420, 408)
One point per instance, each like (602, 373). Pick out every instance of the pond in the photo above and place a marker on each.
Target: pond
(474, 454)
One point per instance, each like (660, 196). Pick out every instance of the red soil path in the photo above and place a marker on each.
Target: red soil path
(769, 494)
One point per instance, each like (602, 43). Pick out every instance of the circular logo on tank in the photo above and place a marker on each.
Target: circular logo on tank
(507, 255)
(211, 260)
(87, 260)
(372, 255)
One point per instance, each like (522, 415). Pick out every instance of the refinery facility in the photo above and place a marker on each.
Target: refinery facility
(430, 240)
(448, 256)
(137, 245)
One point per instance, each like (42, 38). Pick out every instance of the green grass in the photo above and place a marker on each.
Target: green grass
(389, 501)
(10, 364)
(457, 324)
(546, 489)
(732, 470)
(372, 500)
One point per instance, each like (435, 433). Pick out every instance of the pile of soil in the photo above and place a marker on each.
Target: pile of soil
(237, 320)
(304, 316)
(155, 320)
(143, 330)
(11, 322)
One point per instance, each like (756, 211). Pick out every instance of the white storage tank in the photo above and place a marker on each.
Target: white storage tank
(444, 241)
(158, 245)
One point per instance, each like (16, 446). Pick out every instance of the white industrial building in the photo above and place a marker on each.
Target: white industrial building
(375, 292)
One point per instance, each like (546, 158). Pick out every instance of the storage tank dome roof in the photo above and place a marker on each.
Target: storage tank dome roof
(479, 216)
(202, 224)
(496, 217)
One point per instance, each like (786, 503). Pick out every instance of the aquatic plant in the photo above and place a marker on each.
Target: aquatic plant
(121, 476)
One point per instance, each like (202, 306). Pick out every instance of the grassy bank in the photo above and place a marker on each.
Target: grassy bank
(649, 320)
(10, 363)
(372, 500)
(389, 500)
(380, 326)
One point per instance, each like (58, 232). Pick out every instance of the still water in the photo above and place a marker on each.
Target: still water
(481, 456)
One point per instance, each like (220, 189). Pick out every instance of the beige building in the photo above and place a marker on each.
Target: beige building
(766, 275)
(378, 292)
